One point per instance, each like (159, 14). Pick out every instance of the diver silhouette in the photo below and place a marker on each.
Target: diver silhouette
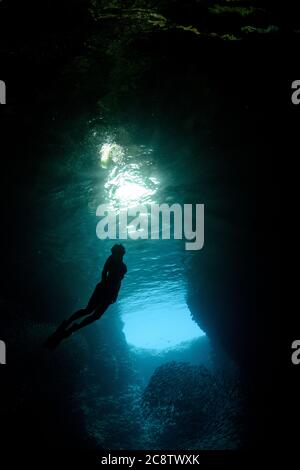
(105, 293)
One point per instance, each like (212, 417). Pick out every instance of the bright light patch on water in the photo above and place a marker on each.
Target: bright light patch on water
(130, 181)
(159, 326)
(129, 192)
(110, 152)
(126, 186)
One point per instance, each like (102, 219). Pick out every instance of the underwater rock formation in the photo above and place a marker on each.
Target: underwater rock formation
(188, 407)
(223, 20)
(58, 399)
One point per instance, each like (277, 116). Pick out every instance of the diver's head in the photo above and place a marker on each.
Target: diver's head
(118, 250)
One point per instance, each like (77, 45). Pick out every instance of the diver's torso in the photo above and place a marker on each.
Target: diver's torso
(116, 271)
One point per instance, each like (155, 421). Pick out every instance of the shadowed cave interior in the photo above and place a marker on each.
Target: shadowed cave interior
(128, 107)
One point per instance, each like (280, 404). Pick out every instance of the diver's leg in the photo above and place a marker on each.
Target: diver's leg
(79, 314)
(89, 319)
(77, 326)
(91, 306)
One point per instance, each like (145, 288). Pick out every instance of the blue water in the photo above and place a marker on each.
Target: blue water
(158, 318)
(153, 305)
(152, 300)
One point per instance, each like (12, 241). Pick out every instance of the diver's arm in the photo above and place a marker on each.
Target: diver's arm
(105, 270)
(124, 270)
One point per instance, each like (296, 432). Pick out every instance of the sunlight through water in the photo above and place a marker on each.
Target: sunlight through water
(152, 302)
(130, 180)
